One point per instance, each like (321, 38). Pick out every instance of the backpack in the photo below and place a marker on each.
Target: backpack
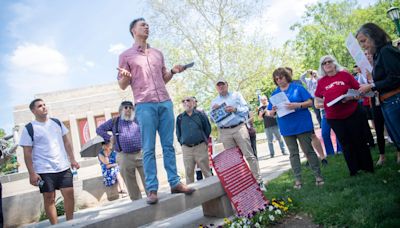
(29, 127)
(115, 125)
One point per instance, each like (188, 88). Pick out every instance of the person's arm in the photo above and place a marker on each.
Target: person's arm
(206, 124)
(33, 176)
(303, 77)
(178, 128)
(103, 130)
(124, 76)
(241, 108)
(167, 75)
(70, 152)
(251, 117)
(261, 113)
(391, 60)
(318, 102)
(106, 162)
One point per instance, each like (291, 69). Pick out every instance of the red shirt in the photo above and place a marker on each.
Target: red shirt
(330, 87)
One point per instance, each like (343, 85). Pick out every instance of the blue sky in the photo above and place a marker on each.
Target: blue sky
(53, 45)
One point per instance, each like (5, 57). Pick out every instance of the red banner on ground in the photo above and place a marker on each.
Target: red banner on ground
(238, 182)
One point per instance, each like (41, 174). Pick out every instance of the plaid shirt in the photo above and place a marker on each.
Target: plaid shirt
(129, 135)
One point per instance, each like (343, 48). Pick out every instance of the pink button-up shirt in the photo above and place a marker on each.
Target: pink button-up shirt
(147, 73)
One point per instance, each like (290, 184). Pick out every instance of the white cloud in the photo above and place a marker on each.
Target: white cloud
(279, 17)
(35, 59)
(116, 49)
(33, 69)
(90, 64)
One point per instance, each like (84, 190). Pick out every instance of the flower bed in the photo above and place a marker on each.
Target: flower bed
(273, 212)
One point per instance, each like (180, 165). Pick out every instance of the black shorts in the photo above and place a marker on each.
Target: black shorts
(53, 181)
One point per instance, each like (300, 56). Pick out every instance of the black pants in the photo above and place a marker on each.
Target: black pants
(351, 136)
(253, 142)
(379, 123)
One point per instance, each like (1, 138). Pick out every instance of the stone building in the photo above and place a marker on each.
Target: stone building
(81, 110)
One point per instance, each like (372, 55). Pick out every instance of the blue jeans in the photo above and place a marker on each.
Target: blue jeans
(391, 113)
(270, 133)
(326, 136)
(159, 117)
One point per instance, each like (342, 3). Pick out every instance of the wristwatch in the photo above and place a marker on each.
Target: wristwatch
(373, 88)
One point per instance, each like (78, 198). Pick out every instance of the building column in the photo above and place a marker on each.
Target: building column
(91, 124)
(76, 144)
(20, 152)
(107, 113)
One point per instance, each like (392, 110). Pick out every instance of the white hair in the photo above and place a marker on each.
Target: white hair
(321, 71)
(123, 116)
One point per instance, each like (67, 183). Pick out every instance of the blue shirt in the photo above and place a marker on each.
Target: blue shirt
(236, 100)
(297, 122)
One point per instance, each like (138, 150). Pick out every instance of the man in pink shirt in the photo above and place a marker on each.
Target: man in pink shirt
(142, 67)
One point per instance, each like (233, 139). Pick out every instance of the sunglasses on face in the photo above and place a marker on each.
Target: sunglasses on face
(279, 78)
(128, 107)
(327, 62)
(186, 100)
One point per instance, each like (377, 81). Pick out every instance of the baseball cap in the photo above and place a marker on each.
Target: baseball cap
(221, 80)
(127, 103)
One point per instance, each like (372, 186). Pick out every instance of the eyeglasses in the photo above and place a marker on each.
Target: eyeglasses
(279, 78)
(128, 107)
(327, 62)
(186, 100)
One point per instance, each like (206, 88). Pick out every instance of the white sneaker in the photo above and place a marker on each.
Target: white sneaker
(262, 187)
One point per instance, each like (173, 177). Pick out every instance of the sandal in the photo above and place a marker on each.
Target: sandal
(319, 182)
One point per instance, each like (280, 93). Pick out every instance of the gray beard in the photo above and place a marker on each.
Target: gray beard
(128, 118)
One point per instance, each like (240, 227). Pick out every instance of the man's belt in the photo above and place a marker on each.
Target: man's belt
(389, 94)
(233, 126)
(192, 145)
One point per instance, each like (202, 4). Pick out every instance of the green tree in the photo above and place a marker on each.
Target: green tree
(2, 132)
(325, 26)
(216, 35)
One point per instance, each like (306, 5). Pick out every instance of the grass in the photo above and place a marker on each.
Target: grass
(366, 200)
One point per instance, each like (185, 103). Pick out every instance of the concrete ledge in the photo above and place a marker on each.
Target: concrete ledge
(24, 175)
(137, 213)
(26, 207)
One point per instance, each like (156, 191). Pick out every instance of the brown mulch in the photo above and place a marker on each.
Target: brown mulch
(296, 221)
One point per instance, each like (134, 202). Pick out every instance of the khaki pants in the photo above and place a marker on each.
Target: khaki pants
(128, 163)
(195, 155)
(239, 136)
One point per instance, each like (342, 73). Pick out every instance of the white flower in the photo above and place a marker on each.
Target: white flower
(257, 225)
(270, 208)
(271, 217)
(278, 212)
(260, 218)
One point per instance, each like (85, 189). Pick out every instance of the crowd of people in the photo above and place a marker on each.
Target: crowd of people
(129, 139)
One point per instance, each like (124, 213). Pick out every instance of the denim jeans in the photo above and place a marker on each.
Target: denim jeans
(391, 113)
(270, 133)
(153, 117)
(326, 136)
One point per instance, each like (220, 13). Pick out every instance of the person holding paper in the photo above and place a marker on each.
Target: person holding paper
(345, 117)
(386, 75)
(296, 125)
(143, 69)
(232, 129)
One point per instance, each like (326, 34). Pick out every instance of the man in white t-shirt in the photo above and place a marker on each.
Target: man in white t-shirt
(47, 148)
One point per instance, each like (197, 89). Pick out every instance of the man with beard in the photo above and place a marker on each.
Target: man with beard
(127, 142)
(192, 132)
